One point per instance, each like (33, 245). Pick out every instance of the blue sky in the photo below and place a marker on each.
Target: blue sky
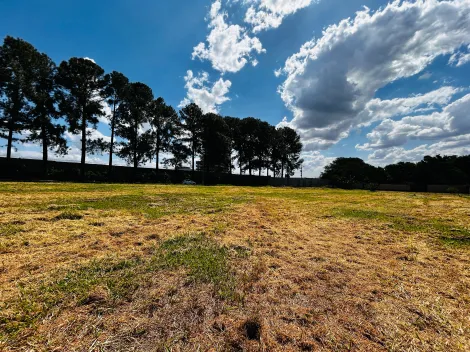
(390, 84)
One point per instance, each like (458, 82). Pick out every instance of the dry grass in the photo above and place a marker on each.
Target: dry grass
(173, 268)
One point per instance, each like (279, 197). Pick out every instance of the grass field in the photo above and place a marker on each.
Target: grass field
(182, 268)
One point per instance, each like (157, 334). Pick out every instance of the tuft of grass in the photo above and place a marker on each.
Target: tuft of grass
(9, 229)
(446, 233)
(457, 242)
(205, 260)
(67, 289)
(68, 215)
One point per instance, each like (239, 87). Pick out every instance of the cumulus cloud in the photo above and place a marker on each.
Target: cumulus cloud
(451, 122)
(378, 109)
(208, 98)
(229, 47)
(453, 146)
(267, 14)
(314, 163)
(460, 58)
(331, 82)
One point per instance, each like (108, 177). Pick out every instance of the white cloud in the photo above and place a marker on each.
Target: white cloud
(378, 109)
(460, 58)
(208, 98)
(331, 82)
(425, 76)
(453, 146)
(89, 59)
(314, 163)
(451, 123)
(267, 14)
(229, 48)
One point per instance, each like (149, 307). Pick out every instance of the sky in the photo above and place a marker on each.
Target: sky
(383, 81)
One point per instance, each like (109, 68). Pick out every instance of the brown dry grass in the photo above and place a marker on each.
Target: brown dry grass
(316, 270)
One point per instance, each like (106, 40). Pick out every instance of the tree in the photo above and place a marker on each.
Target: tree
(246, 143)
(82, 83)
(350, 171)
(274, 152)
(215, 144)
(165, 126)
(114, 95)
(43, 112)
(180, 154)
(401, 172)
(233, 124)
(290, 148)
(16, 56)
(133, 112)
(261, 145)
(191, 116)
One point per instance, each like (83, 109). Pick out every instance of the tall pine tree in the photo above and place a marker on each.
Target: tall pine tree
(82, 82)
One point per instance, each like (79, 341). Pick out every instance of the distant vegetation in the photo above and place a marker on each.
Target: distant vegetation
(40, 101)
(441, 170)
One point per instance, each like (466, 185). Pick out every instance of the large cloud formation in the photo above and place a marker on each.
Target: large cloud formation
(267, 14)
(229, 47)
(208, 98)
(331, 82)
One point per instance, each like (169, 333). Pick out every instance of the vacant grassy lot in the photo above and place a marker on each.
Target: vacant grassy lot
(182, 268)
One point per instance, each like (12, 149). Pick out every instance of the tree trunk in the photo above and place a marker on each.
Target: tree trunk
(193, 158)
(158, 151)
(111, 147)
(136, 131)
(44, 150)
(83, 159)
(158, 160)
(282, 170)
(249, 166)
(10, 141)
(260, 171)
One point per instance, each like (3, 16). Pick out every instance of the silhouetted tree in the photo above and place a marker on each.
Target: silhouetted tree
(290, 148)
(114, 95)
(346, 172)
(16, 63)
(82, 82)
(180, 154)
(164, 123)
(133, 112)
(43, 112)
(246, 143)
(215, 144)
(403, 172)
(233, 124)
(191, 116)
(262, 142)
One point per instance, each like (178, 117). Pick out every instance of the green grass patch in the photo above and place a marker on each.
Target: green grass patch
(205, 261)
(161, 205)
(9, 229)
(446, 233)
(69, 215)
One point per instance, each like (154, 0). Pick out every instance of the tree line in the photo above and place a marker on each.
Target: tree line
(439, 170)
(41, 101)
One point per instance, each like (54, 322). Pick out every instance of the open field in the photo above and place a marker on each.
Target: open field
(175, 268)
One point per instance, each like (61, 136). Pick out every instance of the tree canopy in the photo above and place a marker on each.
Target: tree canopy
(46, 100)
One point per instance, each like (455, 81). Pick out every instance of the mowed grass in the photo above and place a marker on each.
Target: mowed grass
(98, 267)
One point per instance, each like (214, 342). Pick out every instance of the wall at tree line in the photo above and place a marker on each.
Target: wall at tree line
(32, 169)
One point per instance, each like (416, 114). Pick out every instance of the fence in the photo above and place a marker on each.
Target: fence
(33, 170)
